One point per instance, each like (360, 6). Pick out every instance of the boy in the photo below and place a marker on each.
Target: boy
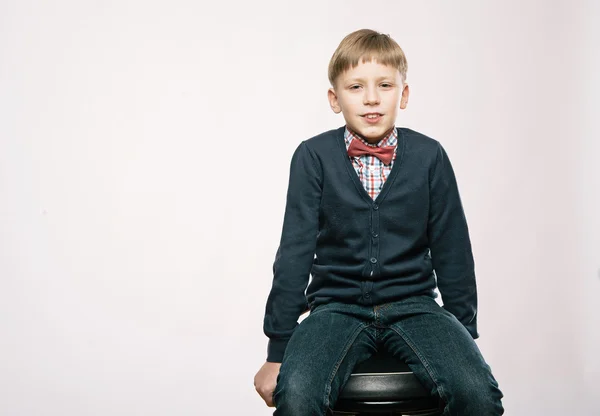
(372, 210)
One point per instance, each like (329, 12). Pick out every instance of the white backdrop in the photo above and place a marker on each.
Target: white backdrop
(144, 154)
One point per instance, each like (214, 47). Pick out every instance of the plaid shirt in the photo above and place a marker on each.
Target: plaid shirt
(370, 170)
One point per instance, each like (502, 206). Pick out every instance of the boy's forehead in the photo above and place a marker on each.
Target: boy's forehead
(371, 69)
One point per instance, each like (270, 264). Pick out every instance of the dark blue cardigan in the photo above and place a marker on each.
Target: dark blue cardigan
(364, 251)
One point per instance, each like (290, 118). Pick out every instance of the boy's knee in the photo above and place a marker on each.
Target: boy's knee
(298, 397)
(476, 397)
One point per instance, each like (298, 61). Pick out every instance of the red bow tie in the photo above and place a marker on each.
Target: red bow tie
(358, 148)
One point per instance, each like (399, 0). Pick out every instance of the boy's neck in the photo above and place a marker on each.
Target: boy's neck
(371, 141)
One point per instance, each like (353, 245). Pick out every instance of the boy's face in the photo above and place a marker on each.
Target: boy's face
(369, 97)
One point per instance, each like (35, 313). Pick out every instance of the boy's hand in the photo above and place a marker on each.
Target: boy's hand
(266, 380)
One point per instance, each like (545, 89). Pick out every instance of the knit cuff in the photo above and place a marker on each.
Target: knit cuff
(276, 349)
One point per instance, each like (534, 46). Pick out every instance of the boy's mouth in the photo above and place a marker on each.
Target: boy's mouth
(372, 117)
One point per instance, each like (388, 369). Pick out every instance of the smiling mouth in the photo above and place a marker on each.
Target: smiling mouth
(372, 115)
(372, 118)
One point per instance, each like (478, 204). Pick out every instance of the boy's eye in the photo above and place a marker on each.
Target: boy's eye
(353, 87)
(386, 85)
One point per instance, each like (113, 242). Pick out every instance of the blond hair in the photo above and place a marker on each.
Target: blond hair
(366, 44)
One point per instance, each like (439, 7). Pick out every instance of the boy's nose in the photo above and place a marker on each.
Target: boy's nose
(371, 97)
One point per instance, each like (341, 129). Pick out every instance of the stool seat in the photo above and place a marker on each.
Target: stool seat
(385, 384)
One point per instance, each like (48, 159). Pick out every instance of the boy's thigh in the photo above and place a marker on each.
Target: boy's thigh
(324, 349)
(434, 344)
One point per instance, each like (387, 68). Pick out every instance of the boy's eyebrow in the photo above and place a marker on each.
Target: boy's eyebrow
(362, 79)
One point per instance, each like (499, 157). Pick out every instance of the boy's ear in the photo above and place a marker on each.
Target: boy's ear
(404, 98)
(333, 101)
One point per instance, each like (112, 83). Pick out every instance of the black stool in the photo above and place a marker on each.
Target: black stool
(384, 385)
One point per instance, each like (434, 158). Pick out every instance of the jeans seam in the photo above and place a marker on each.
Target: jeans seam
(351, 340)
(426, 365)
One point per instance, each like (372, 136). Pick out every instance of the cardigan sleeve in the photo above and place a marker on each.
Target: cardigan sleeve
(450, 244)
(295, 255)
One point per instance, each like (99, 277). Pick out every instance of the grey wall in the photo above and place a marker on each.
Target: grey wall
(132, 140)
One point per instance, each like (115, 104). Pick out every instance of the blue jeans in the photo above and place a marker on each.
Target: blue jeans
(335, 337)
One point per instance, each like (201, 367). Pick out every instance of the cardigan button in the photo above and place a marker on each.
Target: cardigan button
(373, 260)
(375, 207)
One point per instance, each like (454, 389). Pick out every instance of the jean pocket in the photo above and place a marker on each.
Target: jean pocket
(319, 307)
